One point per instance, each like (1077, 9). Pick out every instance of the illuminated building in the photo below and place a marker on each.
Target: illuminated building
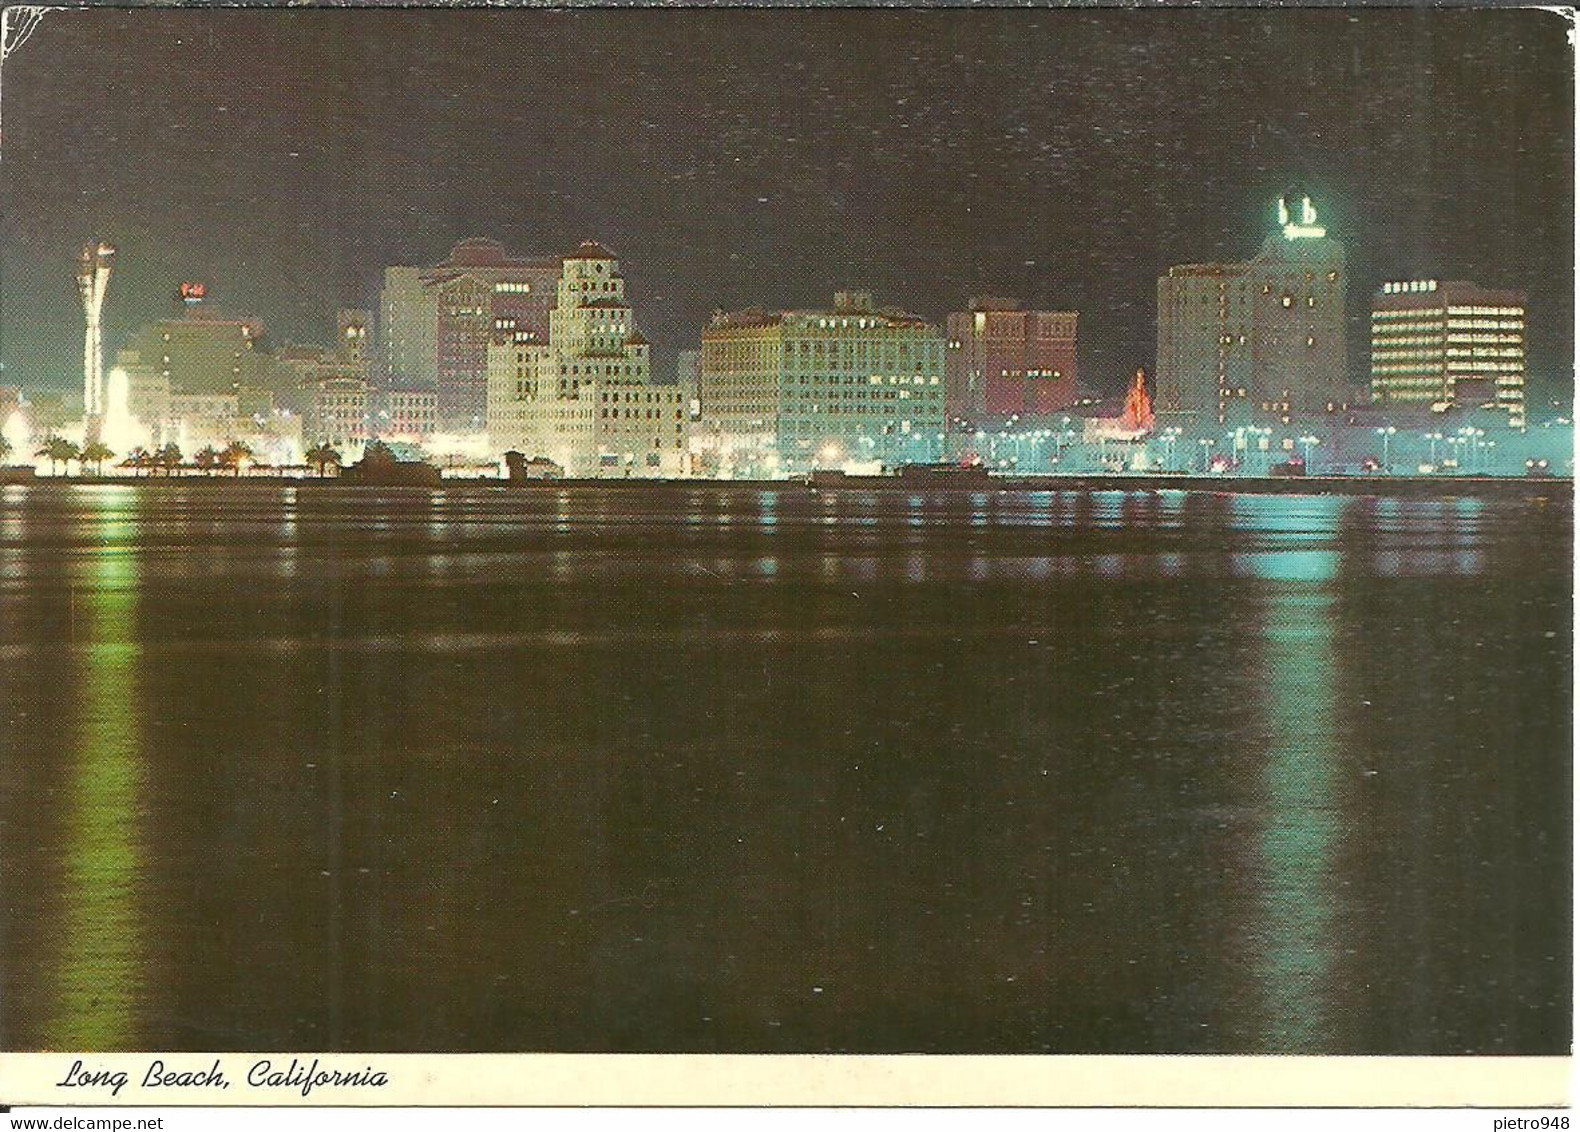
(1003, 361)
(436, 323)
(1449, 344)
(338, 412)
(93, 279)
(205, 353)
(352, 334)
(1265, 336)
(585, 398)
(852, 384)
(407, 413)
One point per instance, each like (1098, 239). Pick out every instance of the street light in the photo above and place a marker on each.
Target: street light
(1308, 442)
(1386, 434)
(1170, 438)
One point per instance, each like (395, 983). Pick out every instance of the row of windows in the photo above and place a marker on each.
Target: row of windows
(635, 414)
(849, 410)
(648, 396)
(858, 395)
(1483, 324)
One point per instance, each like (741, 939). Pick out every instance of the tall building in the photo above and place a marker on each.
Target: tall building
(1003, 361)
(585, 397)
(1443, 344)
(1204, 339)
(436, 323)
(1262, 336)
(204, 353)
(854, 383)
(353, 338)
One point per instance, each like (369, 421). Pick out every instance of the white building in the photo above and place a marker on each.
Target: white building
(586, 398)
(797, 389)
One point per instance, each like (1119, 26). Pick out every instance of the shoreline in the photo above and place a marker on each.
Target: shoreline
(1387, 486)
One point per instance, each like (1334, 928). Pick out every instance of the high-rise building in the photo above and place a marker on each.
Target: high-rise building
(1445, 344)
(204, 353)
(585, 397)
(854, 383)
(1261, 336)
(1003, 361)
(436, 323)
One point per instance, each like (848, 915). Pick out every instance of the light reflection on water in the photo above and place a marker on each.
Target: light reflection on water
(1297, 941)
(1083, 773)
(102, 968)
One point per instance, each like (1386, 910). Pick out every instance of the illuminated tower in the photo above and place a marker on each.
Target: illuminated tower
(93, 277)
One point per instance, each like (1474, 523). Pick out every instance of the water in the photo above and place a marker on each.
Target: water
(712, 770)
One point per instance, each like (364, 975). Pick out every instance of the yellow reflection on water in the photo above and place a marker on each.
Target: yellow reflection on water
(102, 958)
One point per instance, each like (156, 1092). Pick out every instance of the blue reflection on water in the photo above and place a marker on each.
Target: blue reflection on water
(1294, 942)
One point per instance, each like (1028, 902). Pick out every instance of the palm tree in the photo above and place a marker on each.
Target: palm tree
(168, 457)
(322, 455)
(138, 460)
(96, 453)
(5, 447)
(235, 452)
(207, 458)
(58, 450)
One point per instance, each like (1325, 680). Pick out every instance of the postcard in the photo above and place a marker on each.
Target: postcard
(786, 556)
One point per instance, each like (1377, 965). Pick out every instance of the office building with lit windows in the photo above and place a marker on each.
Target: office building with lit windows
(1448, 344)
(1263, 337)
(585, 398)
(204, 353)
(1001, 361)
(436, 323)
(797, 389)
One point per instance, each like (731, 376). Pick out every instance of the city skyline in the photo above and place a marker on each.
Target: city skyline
(732, 163)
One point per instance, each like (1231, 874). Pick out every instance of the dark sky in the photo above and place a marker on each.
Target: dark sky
(1066, 157)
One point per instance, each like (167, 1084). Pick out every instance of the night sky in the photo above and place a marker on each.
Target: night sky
(730, 158)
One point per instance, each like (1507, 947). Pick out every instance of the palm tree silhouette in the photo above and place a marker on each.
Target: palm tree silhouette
(58, 450)
(96, 453)
(322, 455)
(235, 452)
